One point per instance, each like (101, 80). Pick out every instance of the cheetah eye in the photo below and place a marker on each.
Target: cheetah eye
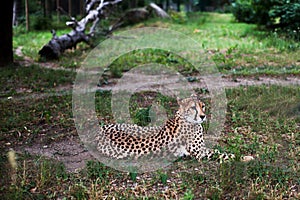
(193, 108)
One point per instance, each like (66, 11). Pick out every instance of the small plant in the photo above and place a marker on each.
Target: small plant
(199, 178)
(103, 104)
(270, 153)
(79, 191)
(133, 176)
(163, 177)
(188, 195)
(116, 71)
(225, 60)
(142, 117)
(96, 170)
(178, 17)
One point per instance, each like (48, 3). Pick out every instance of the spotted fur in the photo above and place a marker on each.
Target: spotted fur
(181, 135)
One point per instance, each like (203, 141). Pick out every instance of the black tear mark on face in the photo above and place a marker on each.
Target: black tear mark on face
(194, 107)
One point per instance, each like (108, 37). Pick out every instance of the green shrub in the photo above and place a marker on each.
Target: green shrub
(243, 11)
(279, 15)
(42, 23)
(253, 11)
(178, 17)
(287, 18)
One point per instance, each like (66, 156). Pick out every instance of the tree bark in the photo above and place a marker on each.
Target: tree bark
(6, 48)
(27, 14)
(47, 8)
(70, 7)
(57, 45)
(82, 8)
(178, 5)
(16, 7)
(167, 5)
(57, 10)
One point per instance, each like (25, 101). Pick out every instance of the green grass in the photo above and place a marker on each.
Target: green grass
(236, 48)
(19, 80)
(27, 120)
(262, 121)
(140, 57)
(31, 42)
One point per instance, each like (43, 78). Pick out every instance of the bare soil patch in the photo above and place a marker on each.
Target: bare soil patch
(72, 152)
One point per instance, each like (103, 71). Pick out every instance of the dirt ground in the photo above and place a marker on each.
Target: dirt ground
(72, 152)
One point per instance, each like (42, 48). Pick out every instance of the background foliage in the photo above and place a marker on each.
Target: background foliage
(278, 15)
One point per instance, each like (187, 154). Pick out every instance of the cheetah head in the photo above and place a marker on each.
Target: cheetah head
(192, 109)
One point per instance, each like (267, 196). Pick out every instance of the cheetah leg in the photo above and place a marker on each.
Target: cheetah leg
(223, 157)
(210, 154)
(203, 153)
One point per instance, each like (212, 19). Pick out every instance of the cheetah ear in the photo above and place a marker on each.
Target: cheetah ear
(194, 96)
(182, 102)
(179, 101)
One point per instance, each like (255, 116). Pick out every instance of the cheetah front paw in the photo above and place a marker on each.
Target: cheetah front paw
(225, 157)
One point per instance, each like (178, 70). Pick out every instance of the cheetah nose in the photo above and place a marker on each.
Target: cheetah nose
(202, 117)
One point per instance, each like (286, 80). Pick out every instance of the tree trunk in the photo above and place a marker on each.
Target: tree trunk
(70, 7)
(82, 8)
(48, 8)
(27, 14)
(15, 12)
(6, 48)
(188, 5)
(57, 45)
(58, 10)
(178, 5)
(167, 5)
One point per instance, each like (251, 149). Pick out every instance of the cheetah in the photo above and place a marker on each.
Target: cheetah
(179, 136)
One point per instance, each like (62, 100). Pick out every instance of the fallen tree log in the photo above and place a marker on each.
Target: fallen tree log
(137, 15)
(58, 44)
